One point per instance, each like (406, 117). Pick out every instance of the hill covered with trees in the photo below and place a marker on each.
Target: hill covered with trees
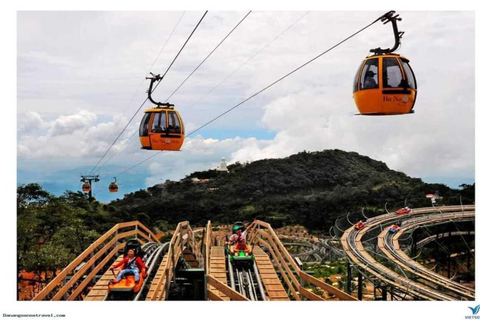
(312, 189)
(308, 188)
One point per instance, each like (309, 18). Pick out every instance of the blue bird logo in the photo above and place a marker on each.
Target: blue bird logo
(475, 309)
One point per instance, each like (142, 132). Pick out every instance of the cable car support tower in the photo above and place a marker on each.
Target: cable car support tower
(90, 179)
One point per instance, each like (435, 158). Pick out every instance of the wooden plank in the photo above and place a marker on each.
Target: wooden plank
(158, 288)
(59, 278)
(268, 275)
(218, 274)
(101, 287)
(278, 294)
(303, 275)
(86, 267)
(156, 280)
(277, 299)
(282, 272)
(217, 269)
(277, 250)
(213, 296)
(270, 281)
(265, 270)
(232, 294)
(153, 238)
(87, 280)
(96, 292)
(273, 286)
(310, 295)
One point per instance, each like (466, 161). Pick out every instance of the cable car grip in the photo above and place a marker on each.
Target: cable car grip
(153, 79)
(390, 16)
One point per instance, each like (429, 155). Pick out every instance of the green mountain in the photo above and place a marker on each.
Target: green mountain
(309, 188)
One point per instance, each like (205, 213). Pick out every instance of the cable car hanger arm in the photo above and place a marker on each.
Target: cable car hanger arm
(386, 18)
(153, 79)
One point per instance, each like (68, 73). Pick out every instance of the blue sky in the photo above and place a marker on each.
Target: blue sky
(81, 78)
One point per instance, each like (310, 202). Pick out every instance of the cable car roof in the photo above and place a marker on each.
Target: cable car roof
(158, 109)
(387, 55)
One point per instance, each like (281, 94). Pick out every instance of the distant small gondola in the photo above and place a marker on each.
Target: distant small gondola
(113, 187)
(86, 187)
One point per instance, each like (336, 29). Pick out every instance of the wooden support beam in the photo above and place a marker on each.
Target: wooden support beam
(212, 296)
(310, 295)
(223, 288)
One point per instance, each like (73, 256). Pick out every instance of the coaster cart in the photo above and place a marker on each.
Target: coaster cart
(404, 210)
(359, 225)
(127, 288)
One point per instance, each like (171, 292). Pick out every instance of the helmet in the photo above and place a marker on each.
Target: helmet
(238, 226)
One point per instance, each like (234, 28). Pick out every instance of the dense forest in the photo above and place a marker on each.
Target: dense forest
(309, 188)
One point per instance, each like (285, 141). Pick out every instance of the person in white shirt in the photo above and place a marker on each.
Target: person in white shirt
(239, 238)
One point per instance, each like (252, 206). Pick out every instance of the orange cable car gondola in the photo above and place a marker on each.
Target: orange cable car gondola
(161, 127)
(385, 83)
(113, 187)
(86, 187)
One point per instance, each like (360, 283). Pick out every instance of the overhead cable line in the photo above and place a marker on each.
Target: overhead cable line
(205, 59)
(116, 152)
(143, 80)
(267, 87)
(249, 59)
(214, 49)
(123, 130)
(191, 34)
(166, 42)
(125, 171)
(156, 58)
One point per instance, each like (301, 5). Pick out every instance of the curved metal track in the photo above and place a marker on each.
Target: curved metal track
(152, 260)
(392, 250)
(245, 279)
(353, 246)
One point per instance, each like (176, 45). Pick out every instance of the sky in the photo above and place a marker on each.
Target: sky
(81, 78)
(77, 77)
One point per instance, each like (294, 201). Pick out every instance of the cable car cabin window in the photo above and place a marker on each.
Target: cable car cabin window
(355, 80)
(409, 73)
(182, 126)
(159, 122)
(392, 74)
(143, 131)
(369, 79)
(173, 123)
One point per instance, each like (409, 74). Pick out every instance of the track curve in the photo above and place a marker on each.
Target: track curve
(357, 254)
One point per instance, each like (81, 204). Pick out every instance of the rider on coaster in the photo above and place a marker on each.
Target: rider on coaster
(132, 264)
(239, 237)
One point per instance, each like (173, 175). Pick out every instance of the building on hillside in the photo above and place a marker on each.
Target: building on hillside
(434, 197)
(196, 180)
(223, 166)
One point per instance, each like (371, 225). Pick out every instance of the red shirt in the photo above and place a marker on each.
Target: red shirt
(124, 262)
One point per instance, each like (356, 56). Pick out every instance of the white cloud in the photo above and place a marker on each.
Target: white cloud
(65, 125)
(423, 144)
(75, 136)
(197, 154)
(30, 122)
(94, 64)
